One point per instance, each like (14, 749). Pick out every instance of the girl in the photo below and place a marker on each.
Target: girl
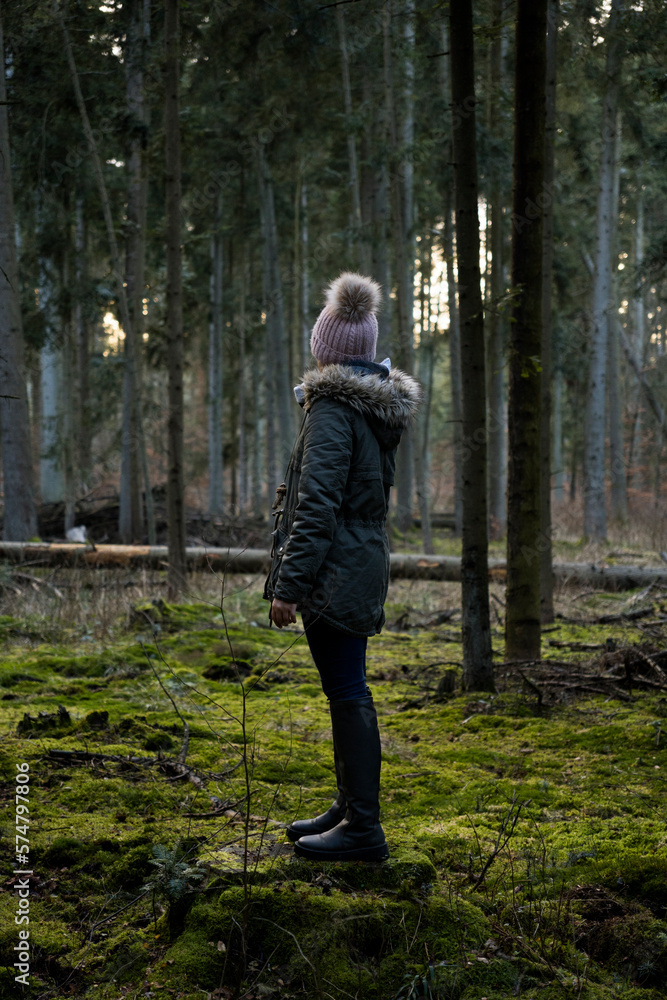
(331, 553)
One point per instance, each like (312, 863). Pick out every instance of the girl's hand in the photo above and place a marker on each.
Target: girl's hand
(282, 613)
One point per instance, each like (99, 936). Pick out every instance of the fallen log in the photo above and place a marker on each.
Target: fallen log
(236, 560)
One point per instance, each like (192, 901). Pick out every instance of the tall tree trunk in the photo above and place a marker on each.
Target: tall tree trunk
(296, 331)
(496, 352)
(82, 335)
(67, 399)
(20, 518)
(215, 368)
(175, 473)
(546, 570)
(619, 490)
(477, 657)
(558, 459)
(452, 307)
(51, 462)
(268, 340)
(130, 521)
(595, 514)
(456, 390)
(278, 340)
(426, 375)
(351, 141)
(408, 129)
(374, 205)
(524, 538)
(305, 290)
(242, 448)
(639, 322)
(259, 408)
(404, 289)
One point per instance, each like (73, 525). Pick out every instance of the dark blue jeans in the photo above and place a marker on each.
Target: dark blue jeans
(339, 657)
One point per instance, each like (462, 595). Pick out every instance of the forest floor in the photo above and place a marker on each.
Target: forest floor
(168, 747)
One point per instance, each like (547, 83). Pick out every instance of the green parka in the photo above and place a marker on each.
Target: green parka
(330, 548)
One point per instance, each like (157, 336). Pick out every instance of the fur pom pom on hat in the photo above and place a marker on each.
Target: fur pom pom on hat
(347, 328)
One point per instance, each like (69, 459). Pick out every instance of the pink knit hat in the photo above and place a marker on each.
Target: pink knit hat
(347, 329)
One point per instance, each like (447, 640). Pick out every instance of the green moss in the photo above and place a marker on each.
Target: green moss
(589, 773)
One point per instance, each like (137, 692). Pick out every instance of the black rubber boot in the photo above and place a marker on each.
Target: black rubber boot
(358, 837)
(332, 817)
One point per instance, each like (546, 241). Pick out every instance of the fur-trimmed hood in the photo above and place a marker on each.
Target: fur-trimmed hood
(388, 399)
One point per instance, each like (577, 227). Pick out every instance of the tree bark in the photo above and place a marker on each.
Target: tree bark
(558, 459)
(375, 205)
(278, 340)
(404, 287)
(351, 141)
(82, 335)
(619, 492)
(51, 459)
(452, 309)
(426, 377)
(242, 448)
(496, 334)
(595, 514)
(175, 473)
(20, 519)
(412, 566)
(130, 513)
(476, 633)
(305, 296)
(546, 572)
(639, 321)
(67, 398)
(215, 368)
(524, 537)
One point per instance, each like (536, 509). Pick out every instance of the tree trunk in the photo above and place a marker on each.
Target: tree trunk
(639, 319)
(408, 129)
(476, 633)
(305, 296)
(456, 391)
(546, 572)
(296, 330)
(496, 352)
(242, 449)
(82, 336)
(452, 308)
(524, 537)
(130, 513)
(67, 398)
(51, 464)
(20, 519)
(375, 186)
(558, 459)
(619, 489)
(175, 473)
(412, 566)
(215, 368)
(351, 142)
(277, 338)
(595, 515)
(259, 407)
(404, 289)
(426, 376)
